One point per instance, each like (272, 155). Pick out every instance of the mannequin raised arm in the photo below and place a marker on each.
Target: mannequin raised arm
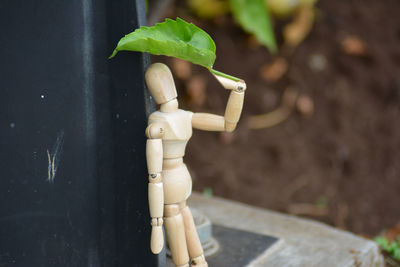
(212, 122)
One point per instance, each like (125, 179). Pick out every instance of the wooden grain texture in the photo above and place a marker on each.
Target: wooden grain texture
(157, 239)
(231, 84)
(192, 238)
(169, 130)
(175, 233)
(160, 82)
(208, 122)
(156, 200)
(154, 155)
(234, 107)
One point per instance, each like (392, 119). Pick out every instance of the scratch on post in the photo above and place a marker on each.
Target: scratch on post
(54, 157)
(49, 167)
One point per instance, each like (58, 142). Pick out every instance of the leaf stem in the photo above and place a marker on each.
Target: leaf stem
(224, 75)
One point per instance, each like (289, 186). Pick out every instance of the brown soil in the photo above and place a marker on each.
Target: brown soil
(346, 155)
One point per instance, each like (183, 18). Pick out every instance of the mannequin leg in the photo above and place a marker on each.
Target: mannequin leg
(174, 229)
(192, 238)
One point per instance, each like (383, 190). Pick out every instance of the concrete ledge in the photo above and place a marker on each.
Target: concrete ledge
(303, 242)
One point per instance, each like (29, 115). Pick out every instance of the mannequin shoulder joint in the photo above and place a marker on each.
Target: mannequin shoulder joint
(155, 131)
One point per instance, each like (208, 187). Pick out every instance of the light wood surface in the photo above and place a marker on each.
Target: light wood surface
(177, 184)
(175, 233)
(199, 261)
(231, 84)
(160, 82)
(233, 110)
(156, 200)
(208, 122)
(192, 238)
(154, 155)
(177, 127)
(170, 106)
(155, 131)
(157, 236)
(170, 183)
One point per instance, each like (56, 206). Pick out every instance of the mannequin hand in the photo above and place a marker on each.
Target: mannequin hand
(240, 87)
(229, 84)
(157, 237)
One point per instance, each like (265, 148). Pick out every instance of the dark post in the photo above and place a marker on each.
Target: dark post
(73, 181)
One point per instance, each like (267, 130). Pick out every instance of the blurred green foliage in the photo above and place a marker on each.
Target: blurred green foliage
(254, 18)
(251, 15)
(208, 192)
(393, 248)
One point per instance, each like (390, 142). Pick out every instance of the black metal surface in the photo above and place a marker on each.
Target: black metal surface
(238, 248)
(73, 183)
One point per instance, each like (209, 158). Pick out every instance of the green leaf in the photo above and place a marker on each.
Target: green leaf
(175, 38)
(396, 254)
(253, 16)
(382, 242)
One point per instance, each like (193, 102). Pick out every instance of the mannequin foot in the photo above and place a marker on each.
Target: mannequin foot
(199, 261)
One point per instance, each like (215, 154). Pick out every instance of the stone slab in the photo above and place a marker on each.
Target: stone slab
(302, 242)
(238, 248)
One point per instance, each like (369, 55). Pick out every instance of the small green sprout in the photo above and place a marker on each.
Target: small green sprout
(208, 192)
(392, 248)
(321, 202)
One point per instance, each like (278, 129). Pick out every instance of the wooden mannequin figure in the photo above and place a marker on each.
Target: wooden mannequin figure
(170, 184)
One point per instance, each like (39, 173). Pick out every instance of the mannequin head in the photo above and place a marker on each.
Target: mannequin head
(160, 82)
